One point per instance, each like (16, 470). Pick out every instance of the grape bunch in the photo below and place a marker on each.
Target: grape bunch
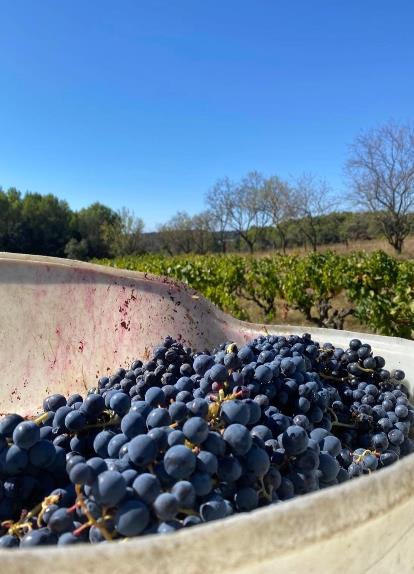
(190, 437)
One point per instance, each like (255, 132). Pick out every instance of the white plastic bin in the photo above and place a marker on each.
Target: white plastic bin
(64, 323)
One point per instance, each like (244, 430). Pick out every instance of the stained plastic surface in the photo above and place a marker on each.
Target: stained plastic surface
(63, 324)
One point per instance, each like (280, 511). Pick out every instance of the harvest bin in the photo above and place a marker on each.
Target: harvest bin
(63, 324)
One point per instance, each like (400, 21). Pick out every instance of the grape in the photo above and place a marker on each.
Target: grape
(118, 441)
(215, 443)
(40, 537)
(142, 450)
(8, 424)
(178, 411)
(60, 416)
(141, 407)
(191, 520)
(165, 506)
(184, 384)
(81, 473)
(131, 518)
(207, 462)
(179, 462)
(14, 460)
(8, 541)
(147, 486)
(154, 397)
(328, 466)
(129, 475)
(75, 398)
(213, 509)
(93, 405)
(235, 411)
(331, 444)
(60, 521)
(238, 438)
(54, 402)
(26, 434)
(176, 437)
(218, 373)
(185, 493)
(398, 375)
(229, 469)
(202, 363)
(294, 440)
(97, 464)
(307, 461)
(75, 421)
(68, 538)
(396, 437)
(109, 488)
(216, 434)
(120, 403)
(169, 526)
(198, 407)
(246, 354)
(262, 431)
(132, 425)
(202, 483)
(158, 417)
(257, 461)
(263, 374)
(246, 499)
(101, 443)
(196, 430)
(42, 454)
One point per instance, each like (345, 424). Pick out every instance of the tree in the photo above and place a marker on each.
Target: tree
(281, 204)
(241, 207)
(45, 224)
(10, 220)
(77, 249)
(91, 223)
(313, 200)
(202, 228)
(176, 234)
(381, 170)
(218, 200)
(124, 234)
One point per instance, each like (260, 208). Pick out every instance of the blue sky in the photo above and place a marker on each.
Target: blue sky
(147, 104)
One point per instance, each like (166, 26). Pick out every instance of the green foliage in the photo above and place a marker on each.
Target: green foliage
(261, 283)
(34, 223)
(377, 288)
(77, 249)
(382, 289)
(45, 225)
(93, 224)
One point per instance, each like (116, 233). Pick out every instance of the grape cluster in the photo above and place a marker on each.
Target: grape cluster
(188, 437)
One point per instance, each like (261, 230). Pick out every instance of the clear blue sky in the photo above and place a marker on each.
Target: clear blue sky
(146, 103)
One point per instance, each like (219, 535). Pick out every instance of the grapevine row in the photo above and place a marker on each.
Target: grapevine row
(325, 288)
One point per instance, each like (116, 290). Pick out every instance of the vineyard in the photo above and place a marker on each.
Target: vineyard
(375, 290)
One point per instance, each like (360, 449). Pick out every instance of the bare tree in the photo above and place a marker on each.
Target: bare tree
(281, 204)
(313, 197)
(241, 207)
(202, 227)
(218, 200)
(175, 234)
(381, 171)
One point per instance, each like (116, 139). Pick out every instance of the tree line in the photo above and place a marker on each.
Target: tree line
(45, 225)
(254, 213)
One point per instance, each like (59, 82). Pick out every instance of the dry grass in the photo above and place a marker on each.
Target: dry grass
(343, 249)
(288, 316)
